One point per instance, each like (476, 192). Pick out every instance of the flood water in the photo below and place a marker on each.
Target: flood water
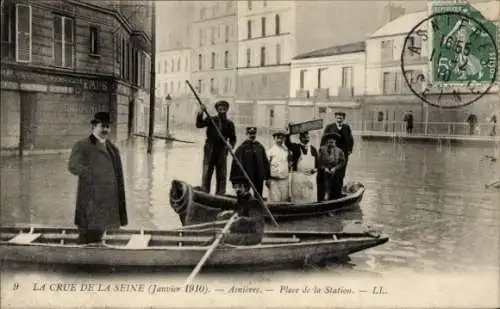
(430, 200)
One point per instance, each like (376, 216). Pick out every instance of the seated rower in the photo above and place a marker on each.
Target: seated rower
(248, 228)
(331, 160)
(304, 164)
(278, 160)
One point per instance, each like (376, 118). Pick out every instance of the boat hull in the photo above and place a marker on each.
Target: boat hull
(186, 250)
(195, 206)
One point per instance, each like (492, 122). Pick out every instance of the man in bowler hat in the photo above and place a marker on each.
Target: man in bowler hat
(345, 143)
(215, 151)
(100, 202)
(252, 155)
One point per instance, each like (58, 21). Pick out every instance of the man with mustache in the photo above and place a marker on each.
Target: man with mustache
(100, 203)
(215, 151)
(304, 165)
(252, 155)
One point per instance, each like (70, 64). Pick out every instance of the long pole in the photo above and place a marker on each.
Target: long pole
(259, 197)
(152, 91)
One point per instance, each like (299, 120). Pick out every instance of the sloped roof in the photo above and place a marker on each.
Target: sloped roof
(403, 24)
(333, 50)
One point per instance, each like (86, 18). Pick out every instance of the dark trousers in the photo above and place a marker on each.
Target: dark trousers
(321, 181)
(259, 185)
(218, 161)
(333, 186)
(409, 129)
(86, 236)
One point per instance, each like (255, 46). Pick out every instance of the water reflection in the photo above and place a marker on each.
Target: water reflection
(429, 199)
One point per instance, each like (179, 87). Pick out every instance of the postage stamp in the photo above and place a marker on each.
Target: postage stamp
(460, 48)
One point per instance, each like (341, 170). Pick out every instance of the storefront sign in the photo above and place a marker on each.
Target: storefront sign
(83, 84)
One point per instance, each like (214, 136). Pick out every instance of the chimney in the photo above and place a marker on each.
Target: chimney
(391, 12)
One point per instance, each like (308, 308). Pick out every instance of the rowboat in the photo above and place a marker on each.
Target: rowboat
(176, 248)
(196, 206)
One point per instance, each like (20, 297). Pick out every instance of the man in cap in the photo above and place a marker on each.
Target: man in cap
(278, 156)
(252, 156)
(331, 160)
(100, 203)
(346, 143)
(304, 165)
(215, 151)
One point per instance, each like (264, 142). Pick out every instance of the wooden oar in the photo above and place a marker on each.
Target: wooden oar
(259, 197)
(211, 249)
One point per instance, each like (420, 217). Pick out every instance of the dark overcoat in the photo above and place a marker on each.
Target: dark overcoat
(100, 202)
(346, 141)
(253, 157)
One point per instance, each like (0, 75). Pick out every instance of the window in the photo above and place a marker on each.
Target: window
(265, 2)
(249, 29)
(179, 65)
(200, 62)
(200, 86)
(186, 65)
(172, 65)
(212, 63)
(212, 35)
(8, 26)
(229, 5)
(414, 46)
(201, 37)
(263, 22)
(159, 66)
(346, 77)
(302, 78)
(63, 41)
(277, 24)
(147, 71)
(226, 34)
(387, 83)
(387, 50)
(202, 13)
(212, 85)
(320, 77)
(94, 40)
(171, 86)
(178, 87)
(226, 59)
(23, 33)
(249, 4)
(278, 54)
(249, 57)
(262, 56)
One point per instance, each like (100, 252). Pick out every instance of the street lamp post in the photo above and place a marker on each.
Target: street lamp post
(168, 100)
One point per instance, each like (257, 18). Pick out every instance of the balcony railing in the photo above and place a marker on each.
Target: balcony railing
(345, 93)
(302, 94)
(321, 93)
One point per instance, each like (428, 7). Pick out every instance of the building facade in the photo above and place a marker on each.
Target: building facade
(214, 51)
(62, 61)
(173, 68)
(328, 80)
(388, 96)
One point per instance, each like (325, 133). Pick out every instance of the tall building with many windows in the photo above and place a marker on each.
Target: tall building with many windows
(214, 48)
(63, 61)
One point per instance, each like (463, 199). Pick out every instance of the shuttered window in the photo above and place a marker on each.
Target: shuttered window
(23, 33)
(63, 41)
(147, 70)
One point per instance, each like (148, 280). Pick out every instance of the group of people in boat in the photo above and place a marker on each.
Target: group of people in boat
(296, 172)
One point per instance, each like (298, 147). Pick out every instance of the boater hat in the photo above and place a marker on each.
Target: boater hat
(100, 117)
(280, 132)
(340, 114)
(251, 130)
(223, 103)
(333, 135)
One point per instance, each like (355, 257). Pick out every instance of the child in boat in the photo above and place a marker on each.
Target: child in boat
(248, 228)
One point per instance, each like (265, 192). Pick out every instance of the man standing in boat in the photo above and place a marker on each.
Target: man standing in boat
(100, 203)
(252, 156)
(215, 152)
(278, 156)
(345, 143)
(304, 165)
